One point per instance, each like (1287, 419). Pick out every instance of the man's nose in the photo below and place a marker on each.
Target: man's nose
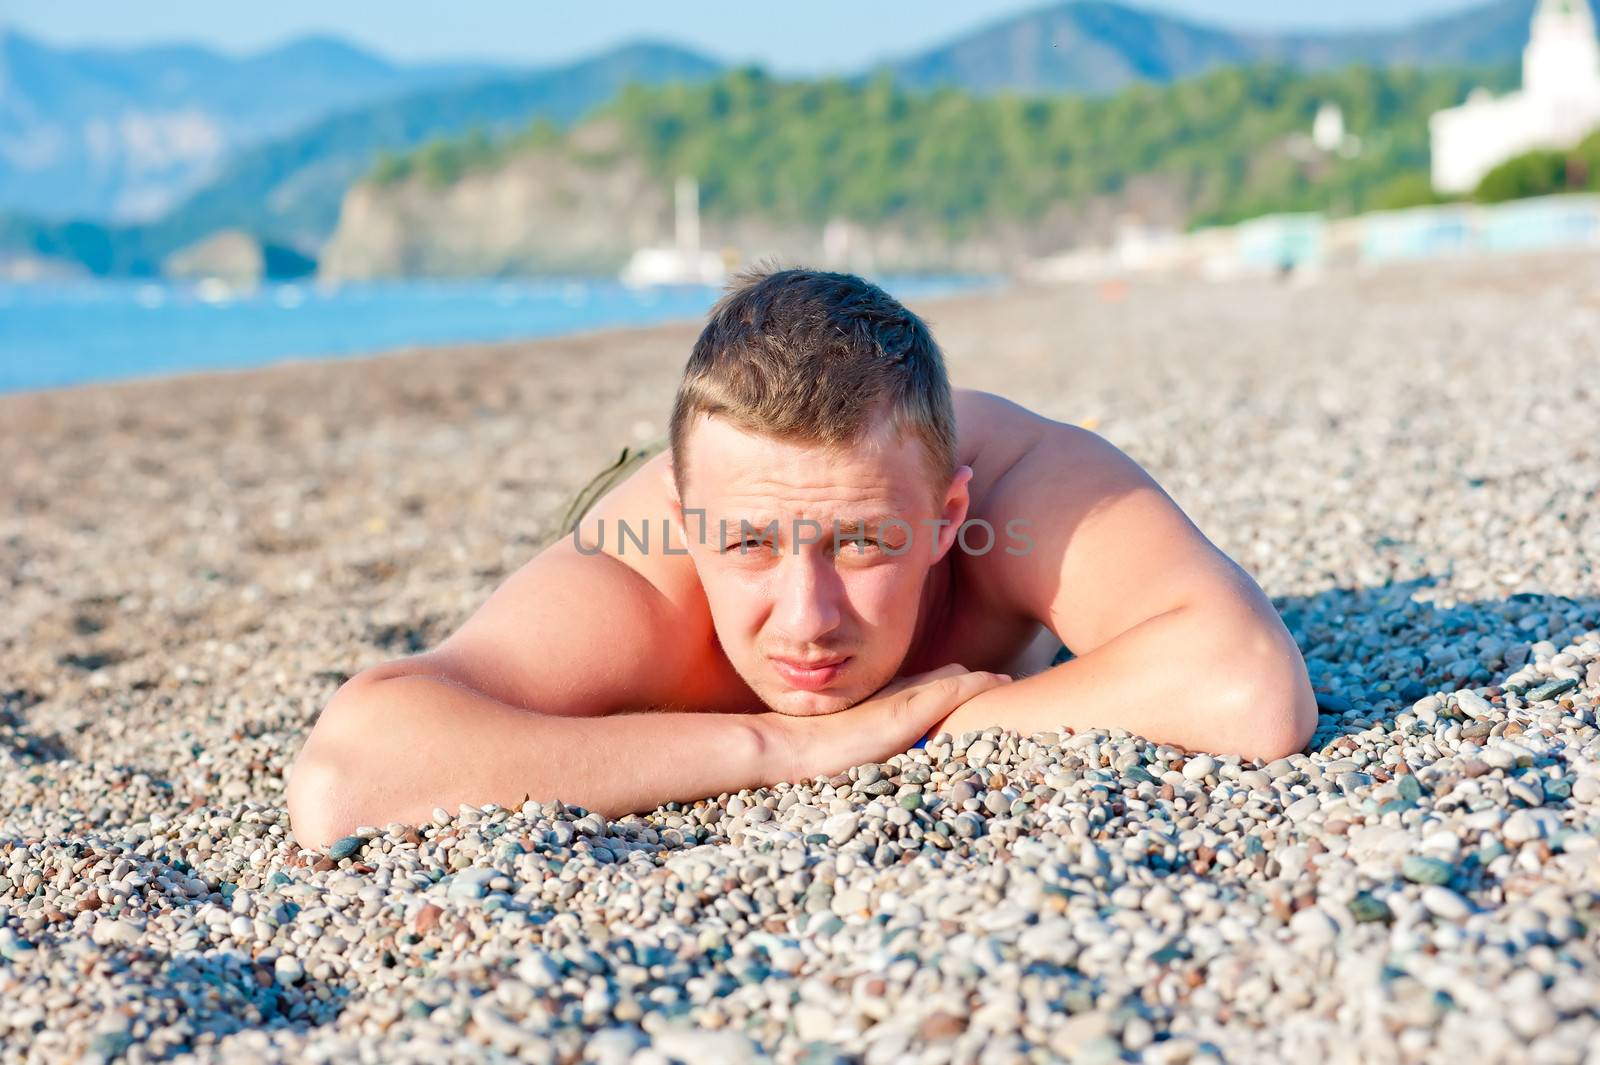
(808, 597)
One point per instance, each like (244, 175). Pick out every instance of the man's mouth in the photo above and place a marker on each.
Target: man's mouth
(812, 675)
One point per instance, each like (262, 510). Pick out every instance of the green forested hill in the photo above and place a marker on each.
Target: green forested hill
(1223, 143)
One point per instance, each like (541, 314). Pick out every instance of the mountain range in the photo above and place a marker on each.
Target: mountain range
(282, 166)
(288, 190)
(1090, 46)
(118, 134)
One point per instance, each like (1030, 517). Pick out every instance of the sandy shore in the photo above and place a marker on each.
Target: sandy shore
(190, 566)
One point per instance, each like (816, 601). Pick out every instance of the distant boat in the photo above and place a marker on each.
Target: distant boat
(669, 266)
(683, 263)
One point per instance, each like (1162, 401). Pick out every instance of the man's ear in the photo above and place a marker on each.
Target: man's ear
(670, 486)
(957, 500)
(675, 505)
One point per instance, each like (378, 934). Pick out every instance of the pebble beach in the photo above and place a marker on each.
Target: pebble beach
(1407, 460)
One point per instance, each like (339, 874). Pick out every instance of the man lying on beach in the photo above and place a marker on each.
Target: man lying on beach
(835, 557)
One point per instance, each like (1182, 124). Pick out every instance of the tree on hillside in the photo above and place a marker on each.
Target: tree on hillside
(1543, 173)
(807, 151)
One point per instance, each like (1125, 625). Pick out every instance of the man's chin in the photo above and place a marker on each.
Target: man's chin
(795, 703)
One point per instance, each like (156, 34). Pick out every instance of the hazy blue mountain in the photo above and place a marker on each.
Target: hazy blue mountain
(1096, 47)
(289, 189)
(122, 133)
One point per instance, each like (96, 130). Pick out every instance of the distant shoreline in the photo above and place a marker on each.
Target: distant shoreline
(57, 336)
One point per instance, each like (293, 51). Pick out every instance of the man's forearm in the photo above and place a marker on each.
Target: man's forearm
(392, 750)
(1189, 678)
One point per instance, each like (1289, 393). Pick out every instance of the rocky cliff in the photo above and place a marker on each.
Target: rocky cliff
(584, 206)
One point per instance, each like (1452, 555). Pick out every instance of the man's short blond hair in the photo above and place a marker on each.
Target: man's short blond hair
(815, 358)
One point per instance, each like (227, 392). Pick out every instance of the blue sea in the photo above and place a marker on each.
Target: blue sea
(66, 333)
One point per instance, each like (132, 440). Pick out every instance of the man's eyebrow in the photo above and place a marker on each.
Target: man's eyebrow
(854, 526)
(740, 526)
(870, 523)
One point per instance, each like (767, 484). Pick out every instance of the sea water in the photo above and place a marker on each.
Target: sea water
(63, 333)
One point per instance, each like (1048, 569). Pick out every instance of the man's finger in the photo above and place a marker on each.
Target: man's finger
(902, 683)
(941, 695)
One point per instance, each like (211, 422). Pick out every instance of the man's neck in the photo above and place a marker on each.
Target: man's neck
(933, 609)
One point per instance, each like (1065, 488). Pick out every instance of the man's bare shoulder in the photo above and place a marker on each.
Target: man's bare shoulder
(596, 623)
(997, 434)
(1109, 547)
(633, 524)
(994, 432)
(655, 556)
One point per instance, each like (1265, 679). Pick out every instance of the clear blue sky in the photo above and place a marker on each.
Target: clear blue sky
(807, 37)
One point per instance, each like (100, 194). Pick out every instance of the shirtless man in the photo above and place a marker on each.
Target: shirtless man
(805, 584)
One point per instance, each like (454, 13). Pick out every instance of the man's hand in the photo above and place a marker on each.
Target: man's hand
(875, 729)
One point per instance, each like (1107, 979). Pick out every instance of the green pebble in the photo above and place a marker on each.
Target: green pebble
(1102, 1050)
(827, 927)
(911, 801)
(1366, 907)
(1077, 1000)
(1551, 690)
(818, 1053)
(110, 1044)
(344, 848)
(1420, 870)
(1410, 788)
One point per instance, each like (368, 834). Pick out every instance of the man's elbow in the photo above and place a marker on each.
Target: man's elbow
(325, 789)
(315, 799)
(1275, 718)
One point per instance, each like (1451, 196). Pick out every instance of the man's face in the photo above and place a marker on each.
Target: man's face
(790, 600)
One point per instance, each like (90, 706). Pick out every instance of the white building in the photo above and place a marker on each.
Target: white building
(1327, 130)
(1559, 103)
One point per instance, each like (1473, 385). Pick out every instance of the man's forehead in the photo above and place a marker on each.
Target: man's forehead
(758, 493)
(717, 443)
(733, 468)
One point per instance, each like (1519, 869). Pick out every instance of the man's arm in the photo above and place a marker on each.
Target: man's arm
(1173, 640)
(1189, 677)
(391, 749)
(532, 696)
